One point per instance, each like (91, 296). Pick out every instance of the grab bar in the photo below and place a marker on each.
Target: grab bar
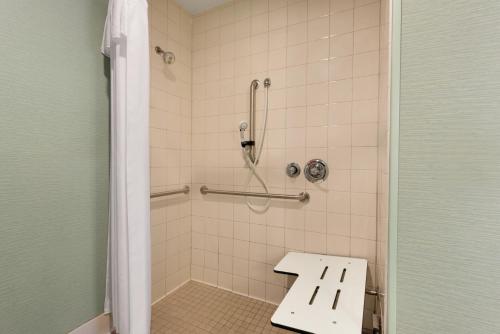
(184, 190)
(302, 197)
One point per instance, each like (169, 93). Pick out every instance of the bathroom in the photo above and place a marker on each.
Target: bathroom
(262, 166)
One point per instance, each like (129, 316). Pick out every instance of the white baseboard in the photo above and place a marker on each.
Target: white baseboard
(99, 325)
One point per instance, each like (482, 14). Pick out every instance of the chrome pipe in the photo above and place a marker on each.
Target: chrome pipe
(302, 197)
(374, 292)
(251, 121)
(184, 190)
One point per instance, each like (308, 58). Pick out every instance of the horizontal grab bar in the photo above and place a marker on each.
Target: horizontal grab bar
(374, 292)
(302, 197)
(184, 190)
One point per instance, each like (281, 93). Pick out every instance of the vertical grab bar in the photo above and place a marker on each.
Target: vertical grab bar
(251, 126)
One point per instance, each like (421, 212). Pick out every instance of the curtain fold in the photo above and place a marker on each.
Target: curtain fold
(128, 283)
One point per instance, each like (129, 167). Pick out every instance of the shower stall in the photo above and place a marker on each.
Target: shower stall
(286, 118)
(319, 166)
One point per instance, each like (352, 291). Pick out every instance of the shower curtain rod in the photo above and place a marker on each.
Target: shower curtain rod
(302, 197)
(184, 190)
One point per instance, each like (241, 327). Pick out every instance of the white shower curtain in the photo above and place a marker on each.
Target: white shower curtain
(128, 287)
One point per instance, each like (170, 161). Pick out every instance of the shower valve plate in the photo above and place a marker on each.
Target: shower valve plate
(327, 297)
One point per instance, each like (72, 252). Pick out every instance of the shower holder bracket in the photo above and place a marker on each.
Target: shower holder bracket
(247, 143)
(327, 297)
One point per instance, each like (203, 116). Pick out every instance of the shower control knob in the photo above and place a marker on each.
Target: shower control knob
(316, 170)
(293, 169)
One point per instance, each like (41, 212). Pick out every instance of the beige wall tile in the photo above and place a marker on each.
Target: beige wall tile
(366, 64)
(367, 16)
(364, 181)
(323, 59)
(366, 40)
(297, 12)
(318, 8)
(170, 144)
(342, 45)
(318, 28)
(340, 5)
(364, 134)
(343, 22)
(278, 18)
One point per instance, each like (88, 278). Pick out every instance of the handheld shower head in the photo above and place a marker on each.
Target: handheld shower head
(243, 125)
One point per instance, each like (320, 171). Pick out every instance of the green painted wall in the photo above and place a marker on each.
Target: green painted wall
(53, 165)
(448, 204)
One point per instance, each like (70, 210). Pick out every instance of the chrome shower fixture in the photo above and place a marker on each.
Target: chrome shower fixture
(293, 169)
(249, 145)
(168, 56)
(316, 171)
(251, 148)
(251, 129)
(243, 125)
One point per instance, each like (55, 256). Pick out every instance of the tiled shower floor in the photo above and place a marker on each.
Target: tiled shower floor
(197, 308)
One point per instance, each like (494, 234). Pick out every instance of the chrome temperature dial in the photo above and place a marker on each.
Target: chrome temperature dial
(316, 170)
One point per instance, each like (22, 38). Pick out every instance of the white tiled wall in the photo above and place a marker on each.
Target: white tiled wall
(170, 28)
(323, 58)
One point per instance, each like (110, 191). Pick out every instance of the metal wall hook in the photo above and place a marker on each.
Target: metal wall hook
(168, 56)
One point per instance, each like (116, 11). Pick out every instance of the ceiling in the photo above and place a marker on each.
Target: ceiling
(198, 6)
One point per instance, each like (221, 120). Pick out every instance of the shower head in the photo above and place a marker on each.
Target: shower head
(168, 57)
